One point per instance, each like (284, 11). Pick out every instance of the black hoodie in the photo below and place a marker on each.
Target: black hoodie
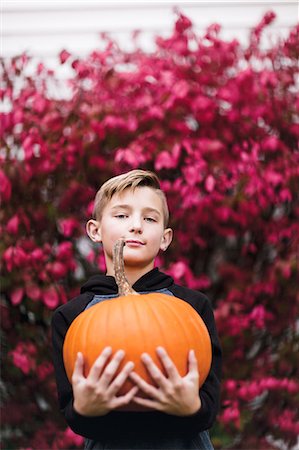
(140, 424)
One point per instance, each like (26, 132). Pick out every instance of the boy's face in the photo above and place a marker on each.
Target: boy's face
(136, 215)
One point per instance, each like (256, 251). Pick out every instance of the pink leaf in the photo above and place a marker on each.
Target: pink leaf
(50, 297)
(16, 296)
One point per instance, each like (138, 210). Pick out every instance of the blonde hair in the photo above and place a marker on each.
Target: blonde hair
(130, 180)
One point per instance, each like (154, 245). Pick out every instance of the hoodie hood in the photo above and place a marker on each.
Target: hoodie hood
(106, 284)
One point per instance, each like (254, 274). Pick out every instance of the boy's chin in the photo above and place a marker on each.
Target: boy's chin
(135, 261)
(132, 262)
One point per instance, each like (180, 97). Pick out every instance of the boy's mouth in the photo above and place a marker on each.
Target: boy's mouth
(134, 242)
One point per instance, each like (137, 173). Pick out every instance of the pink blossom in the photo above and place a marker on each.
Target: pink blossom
(50, 297)
(14, 257)
(68, 227)
(203, 104)
(81, 68)
(231, 385)
(39, 103)
(101, 262)
(28, 147)
(6, 122)
(285, 195)
(202, 282)
(182, 24)
(97, 162)
(236, 324)
(258, 316)
(64, 251)
(178, 270)
(64, 56)
(21, 361)
(180, 89)
(223, 213)
(57, 269)
(89, 209)
(16, 296)
(271, 143)
(134, 156)
(167, 159)
(154, 112)
(253, 390)
(73, 437)
(167, 77)
(268, 78)
(212, 31)
(210, 183)
(37, 256)
(287, 421)
(13, 225)
(23, 357)
(33, 292)
(193, 174)
(292, 387)
(44, 370)
(5, 187)
(231, 415)
(114, 122)
(274, 177)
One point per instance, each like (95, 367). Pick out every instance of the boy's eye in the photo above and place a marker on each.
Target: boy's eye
(120, 216)
(150, 219)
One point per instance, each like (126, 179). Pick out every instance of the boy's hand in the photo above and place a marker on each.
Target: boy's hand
(95, 395)
(175, 394)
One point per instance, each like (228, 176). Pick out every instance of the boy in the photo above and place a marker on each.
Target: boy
(133, 206)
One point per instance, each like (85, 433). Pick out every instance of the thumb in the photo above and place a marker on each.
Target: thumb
(193, 362)
(78, 368)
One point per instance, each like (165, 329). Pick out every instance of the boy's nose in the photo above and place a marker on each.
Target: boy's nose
(136, 225)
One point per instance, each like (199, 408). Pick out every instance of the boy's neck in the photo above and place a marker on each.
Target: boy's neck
(132, 273)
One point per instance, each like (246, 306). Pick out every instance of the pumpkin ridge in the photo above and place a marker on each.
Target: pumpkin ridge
(125, 325)
(179, 319)
(107, 323)
(139, 321)
(86, 331)
(202, 342)
(159, 321)
(181, 323)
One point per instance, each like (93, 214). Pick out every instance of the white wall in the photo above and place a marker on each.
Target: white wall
(43, 28)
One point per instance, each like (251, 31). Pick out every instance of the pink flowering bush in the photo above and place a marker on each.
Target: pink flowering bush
(219, 124)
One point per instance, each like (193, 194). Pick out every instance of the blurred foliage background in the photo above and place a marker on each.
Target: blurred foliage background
(219, 124)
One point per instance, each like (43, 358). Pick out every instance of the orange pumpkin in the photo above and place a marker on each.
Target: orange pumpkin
(138, 323)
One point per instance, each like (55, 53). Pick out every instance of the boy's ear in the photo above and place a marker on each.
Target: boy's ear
(93, 230)
(166, 239)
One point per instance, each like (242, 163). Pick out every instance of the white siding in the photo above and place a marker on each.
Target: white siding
(43, 28)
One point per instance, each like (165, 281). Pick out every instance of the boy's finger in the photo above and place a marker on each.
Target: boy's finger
(125, 399)
(119, 381)
(78, 368)
(148, 389)
(154, 371)
(192, 360)
(99, 364)
(111, 368)
(168, 364)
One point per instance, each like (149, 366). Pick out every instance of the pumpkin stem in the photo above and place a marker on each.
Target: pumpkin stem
(124, 287)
